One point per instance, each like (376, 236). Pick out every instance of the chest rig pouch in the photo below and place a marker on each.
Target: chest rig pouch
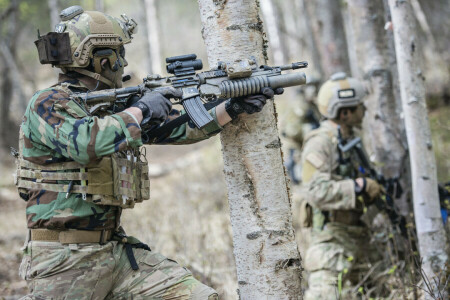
(119, 180)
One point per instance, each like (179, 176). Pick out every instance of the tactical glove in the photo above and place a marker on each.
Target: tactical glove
(250, 104)
(371, 190)
(155, 105)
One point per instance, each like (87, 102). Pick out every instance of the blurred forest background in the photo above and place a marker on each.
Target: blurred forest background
(187, 218)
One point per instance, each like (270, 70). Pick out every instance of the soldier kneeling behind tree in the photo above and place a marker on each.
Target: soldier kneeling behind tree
(78, 170)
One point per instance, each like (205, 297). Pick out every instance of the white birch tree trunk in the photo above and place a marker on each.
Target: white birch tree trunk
(382, 121)
(430, 231)
(153, 36)
(268, 11)
(267, 257)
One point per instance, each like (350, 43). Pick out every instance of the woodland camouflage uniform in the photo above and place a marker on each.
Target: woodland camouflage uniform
(59, 140)
(340, 252)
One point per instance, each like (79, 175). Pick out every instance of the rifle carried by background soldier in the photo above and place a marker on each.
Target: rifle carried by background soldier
(392, 186)
(228, 80)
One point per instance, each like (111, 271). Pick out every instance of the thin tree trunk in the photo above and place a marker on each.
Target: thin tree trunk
(436, 13)
(154, 55)
(430, 230)
(404, 203)
(292, 37)
(351, 46)
(267, 257)
(100, 5)
(437, 71)
(9, 44)
(328, 29)
(268, 11)
(311, 40)
(53, 6)
(14, 73)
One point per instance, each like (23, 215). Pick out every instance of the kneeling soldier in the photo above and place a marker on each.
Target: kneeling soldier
(78, 170)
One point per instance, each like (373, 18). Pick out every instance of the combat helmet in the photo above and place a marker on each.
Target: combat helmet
(339, 92)
(71, 46)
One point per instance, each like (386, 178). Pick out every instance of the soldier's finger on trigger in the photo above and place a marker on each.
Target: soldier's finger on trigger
(268, 92)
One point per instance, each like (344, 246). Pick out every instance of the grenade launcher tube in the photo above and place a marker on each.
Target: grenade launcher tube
(253, 85)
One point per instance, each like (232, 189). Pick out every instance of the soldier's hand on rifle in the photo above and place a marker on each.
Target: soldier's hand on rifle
(155, 105)
(250, 104)
(369, 188)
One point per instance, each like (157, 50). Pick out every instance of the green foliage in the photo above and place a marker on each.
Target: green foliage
(392, 269)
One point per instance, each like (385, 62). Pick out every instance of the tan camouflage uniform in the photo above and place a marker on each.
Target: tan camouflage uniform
(340, 252)
(94, 271)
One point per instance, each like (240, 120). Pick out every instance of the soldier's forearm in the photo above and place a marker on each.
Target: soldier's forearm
(222, 116)
(136, 112)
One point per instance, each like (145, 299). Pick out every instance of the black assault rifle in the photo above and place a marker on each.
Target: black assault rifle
(392, 185)
(228, 80)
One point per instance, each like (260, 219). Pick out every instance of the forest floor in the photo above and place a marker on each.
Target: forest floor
(187, 217)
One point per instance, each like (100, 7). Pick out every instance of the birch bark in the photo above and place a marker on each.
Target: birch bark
(267, 257)
(154, 55)
(431, 235)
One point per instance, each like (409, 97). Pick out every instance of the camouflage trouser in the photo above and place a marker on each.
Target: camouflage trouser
(94, 271)
(339, 255)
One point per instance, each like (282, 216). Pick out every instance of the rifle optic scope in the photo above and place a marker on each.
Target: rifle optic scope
(183, 63)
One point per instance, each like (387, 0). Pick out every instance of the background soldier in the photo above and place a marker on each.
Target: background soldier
(335, 192)
(77, 171)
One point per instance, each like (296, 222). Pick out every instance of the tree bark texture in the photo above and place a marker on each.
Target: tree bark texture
(382, 122)
(431, 235)
(328, 29)
(267, 257)
(153, 36)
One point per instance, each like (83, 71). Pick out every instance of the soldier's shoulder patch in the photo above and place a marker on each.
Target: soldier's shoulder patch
(315, 159)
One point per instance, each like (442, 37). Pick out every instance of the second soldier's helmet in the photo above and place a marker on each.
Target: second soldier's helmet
(79, 34)
(339, 92)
